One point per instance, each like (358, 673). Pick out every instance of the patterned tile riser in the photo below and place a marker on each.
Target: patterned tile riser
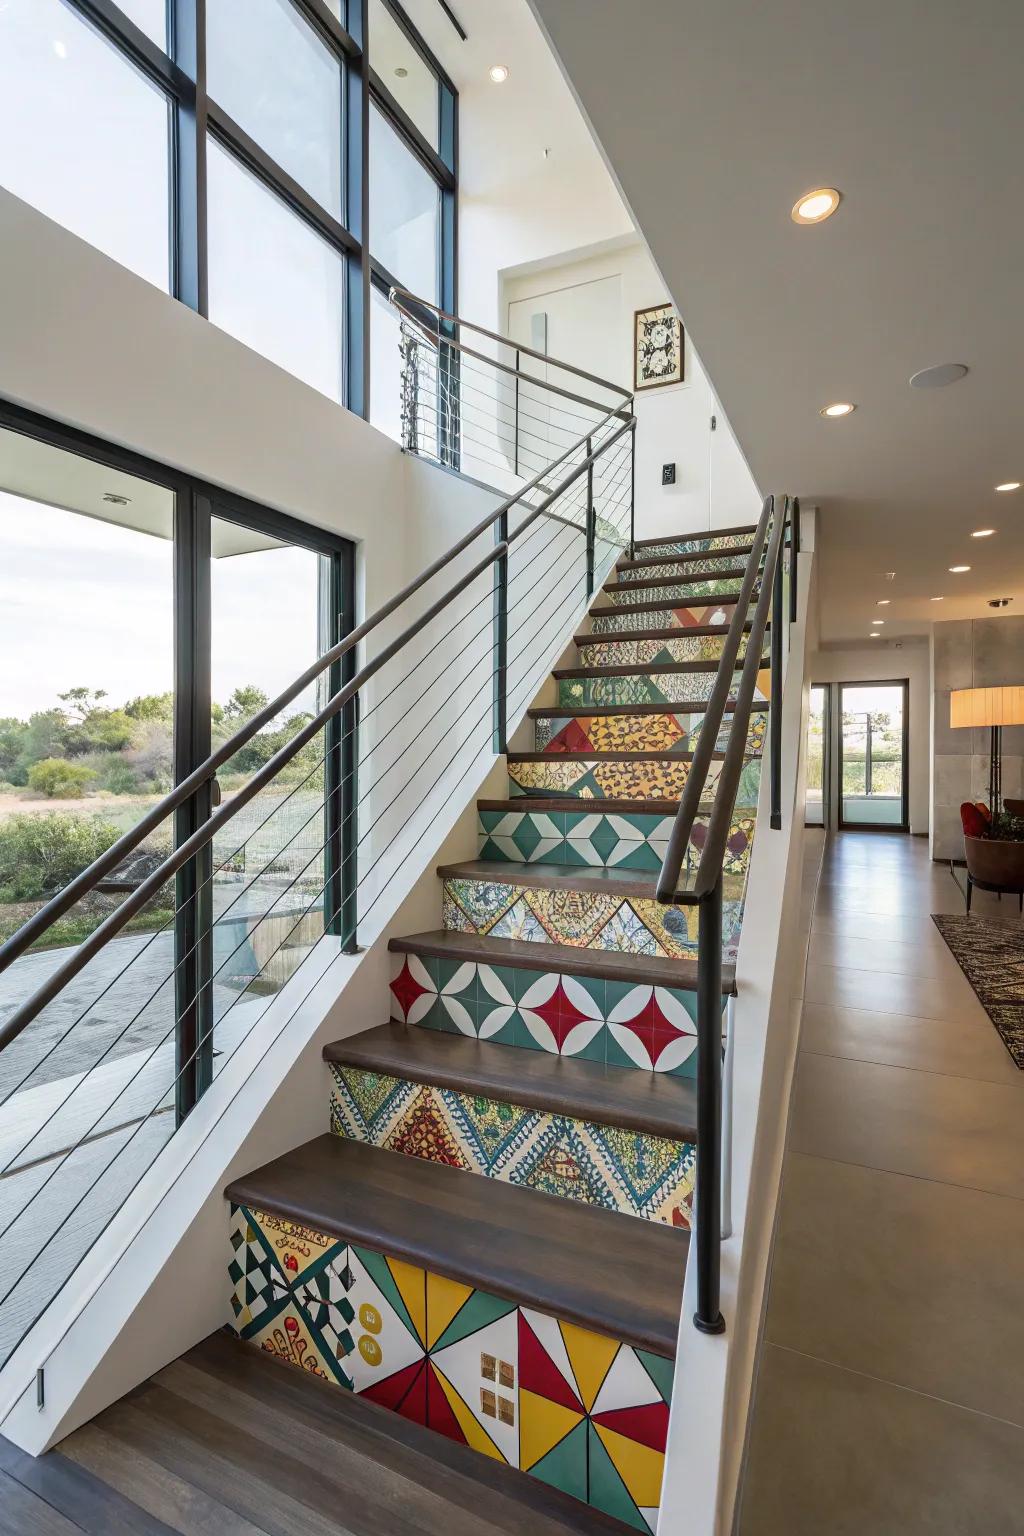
(645, 688)
(606, 1166)
(630, 651)
(580, 1411)
(635, 925)
(593, 841)
(708, 566)
(615, 779)
(618, 1024)
(698, 587)
(628, 620)
(691, 546)
(637, 733)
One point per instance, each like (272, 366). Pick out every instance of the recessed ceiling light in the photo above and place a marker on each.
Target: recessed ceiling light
(890, 575)
(874, 635)
(814, 207)
(938, 599)
(498, 73)
(1009, 485)
(958, 570)
(840, 408)
(883, 602)
(940, 374)
(982, 533)
(878, 621)
(401, 73)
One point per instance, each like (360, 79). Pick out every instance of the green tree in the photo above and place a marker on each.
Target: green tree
(244, 703)
(39, 854)
(12, 741)
(155, 708)
(56, 778)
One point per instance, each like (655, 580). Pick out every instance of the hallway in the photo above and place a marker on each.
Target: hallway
(890, 1397)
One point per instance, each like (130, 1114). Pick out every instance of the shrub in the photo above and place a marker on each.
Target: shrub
(55, 777)
(39, 854)
(119, 777)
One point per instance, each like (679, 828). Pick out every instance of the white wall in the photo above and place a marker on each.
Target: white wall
(714, 487)
(887, 662)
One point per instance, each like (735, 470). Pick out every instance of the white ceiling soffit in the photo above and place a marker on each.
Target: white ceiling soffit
(715, 118)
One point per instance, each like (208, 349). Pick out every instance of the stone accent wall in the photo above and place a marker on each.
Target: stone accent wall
(971, 653)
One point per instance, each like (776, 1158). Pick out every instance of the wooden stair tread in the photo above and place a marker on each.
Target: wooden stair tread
(691, 538)
(570, 1260)
(734, 573)
(383, 1467)
(634, 669)
(590, 711)
(655, 632)
(586, 807)
(734, 552)
(522, 954)
(592, 755)
(654, 1102)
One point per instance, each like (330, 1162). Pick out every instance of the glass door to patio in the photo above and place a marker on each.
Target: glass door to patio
(873, 755)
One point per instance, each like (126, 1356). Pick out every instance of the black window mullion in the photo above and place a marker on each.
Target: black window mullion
(357, 187)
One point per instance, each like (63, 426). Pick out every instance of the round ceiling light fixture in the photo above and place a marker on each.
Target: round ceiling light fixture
(873, 634)
(499, 73)
(1009, 485)
(838, 408)
(401, 73)
(958, 570)
(815, 207)
(938, 375)
(982, 533)
(938, 599)
(1000, 602)
(883, 602)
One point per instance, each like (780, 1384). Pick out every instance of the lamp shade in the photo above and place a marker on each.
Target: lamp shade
(987, 706)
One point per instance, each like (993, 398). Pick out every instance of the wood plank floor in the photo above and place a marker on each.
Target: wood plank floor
(227, 1442)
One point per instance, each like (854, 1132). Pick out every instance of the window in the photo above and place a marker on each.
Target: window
(83, 136)
(405, 211)
(274, 283)
(270, 72)
(99, 129)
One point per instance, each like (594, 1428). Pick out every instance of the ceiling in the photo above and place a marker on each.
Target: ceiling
(714, 119)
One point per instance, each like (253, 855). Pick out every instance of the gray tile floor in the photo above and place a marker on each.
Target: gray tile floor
(890, 1396)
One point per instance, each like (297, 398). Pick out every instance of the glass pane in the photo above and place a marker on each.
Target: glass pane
(271, 73)
(815, 798)
(385, 367)
(150, 16)
(269, 860)
(274, 283)
(872, 741)
(404, 211)
(411, 82)
(83, 137)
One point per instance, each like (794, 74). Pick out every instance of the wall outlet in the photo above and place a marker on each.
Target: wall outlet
(668, 474)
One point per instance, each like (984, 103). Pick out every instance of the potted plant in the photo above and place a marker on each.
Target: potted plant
(994, 850)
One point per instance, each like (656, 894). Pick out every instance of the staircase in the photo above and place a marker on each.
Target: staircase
(491, 1243)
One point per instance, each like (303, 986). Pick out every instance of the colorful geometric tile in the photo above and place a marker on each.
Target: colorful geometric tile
(578, 1410)
(627, 619)
(687, 590)
(617, 778)
(698, 543)
(627, 651)
(626, 1171)
(646, 687)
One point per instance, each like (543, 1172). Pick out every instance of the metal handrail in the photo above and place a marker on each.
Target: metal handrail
(33, 929)
(398, 293)
(83, 953)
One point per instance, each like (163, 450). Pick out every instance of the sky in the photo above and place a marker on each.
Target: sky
(87, 603)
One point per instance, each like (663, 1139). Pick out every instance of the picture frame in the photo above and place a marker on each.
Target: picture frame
(657, 347)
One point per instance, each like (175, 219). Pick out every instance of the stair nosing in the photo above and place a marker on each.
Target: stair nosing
(616, 807)
(697, 631)
(568, 1086)
(586, 756)
(735, 551)
(577, 711)
(731, 573)
(651, 668)
(523, 955)
(362, 1210)
(684, 538)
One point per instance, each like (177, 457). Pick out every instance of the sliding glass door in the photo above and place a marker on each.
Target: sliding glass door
(873, 755)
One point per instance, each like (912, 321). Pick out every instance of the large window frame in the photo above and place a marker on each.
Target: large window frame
(196, 504)
(181, 73)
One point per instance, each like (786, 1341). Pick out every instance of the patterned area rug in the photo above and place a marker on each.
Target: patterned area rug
(991, 956)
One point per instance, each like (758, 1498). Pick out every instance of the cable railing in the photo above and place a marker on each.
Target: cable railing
(764, 583)
(117, 1039)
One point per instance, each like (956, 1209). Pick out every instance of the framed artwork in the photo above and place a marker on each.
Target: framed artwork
(657, 348)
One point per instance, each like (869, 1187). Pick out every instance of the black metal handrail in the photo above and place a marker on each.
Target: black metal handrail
(764, 564)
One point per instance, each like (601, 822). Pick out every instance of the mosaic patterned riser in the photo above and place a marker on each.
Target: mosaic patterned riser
(691, 546)
(647, 688)
(687, 593)
(637, 733)
(606, 779)
(581, 1412)
(682, 570)
(612, 1022)
(635, 925)
(628, 620)
(599, 842)
(601, 1165)
(628, 651)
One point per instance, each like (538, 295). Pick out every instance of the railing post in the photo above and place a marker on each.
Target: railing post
(516, 448)
(708, 1195)
(632, 491)
(591, 521)
(775, 707)
(501, 638)
(794, 546)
